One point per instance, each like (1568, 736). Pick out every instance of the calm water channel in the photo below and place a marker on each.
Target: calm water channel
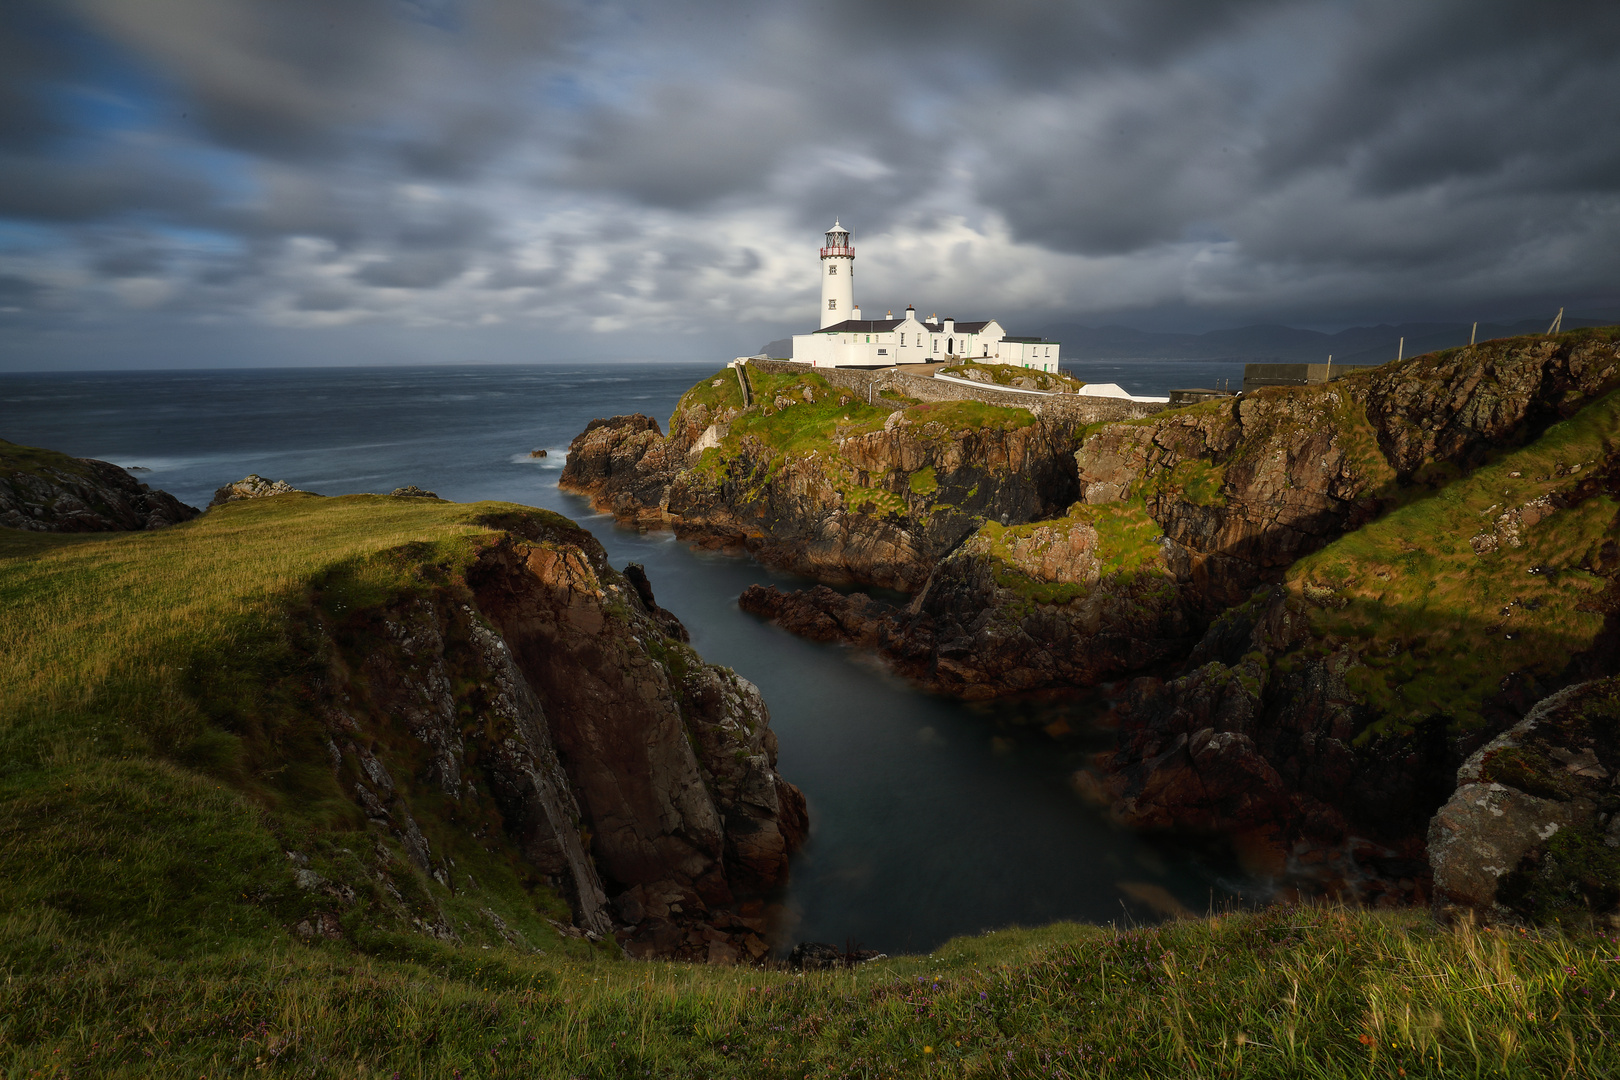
(930, 818)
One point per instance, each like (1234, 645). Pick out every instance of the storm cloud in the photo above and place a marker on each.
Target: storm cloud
(662, 172)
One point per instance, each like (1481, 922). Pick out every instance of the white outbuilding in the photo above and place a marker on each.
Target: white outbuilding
(847, 340)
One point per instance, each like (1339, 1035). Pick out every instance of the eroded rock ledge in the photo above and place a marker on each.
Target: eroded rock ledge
(875, 507)
(548, 706)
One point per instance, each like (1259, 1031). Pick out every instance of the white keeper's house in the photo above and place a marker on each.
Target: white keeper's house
(847, 340)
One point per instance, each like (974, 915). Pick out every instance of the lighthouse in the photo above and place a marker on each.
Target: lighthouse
(837, 277)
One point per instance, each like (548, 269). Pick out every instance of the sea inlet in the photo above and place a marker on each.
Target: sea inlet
(929, 817)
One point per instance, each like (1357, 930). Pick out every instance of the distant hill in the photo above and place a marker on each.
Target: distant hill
(1286, 344)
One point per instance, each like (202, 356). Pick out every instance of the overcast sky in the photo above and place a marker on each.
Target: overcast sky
(207, 182)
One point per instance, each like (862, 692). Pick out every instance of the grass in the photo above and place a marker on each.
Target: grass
(1437, 624)
(109, 628)
(153, 773)
(955, 416)
(1126, 546)
(799, 416)
(158, 752)
(1288, 992)
(33, 461)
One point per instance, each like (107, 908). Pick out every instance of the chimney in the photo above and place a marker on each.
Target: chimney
(911, 312)
(950, 325)
(933, 320)
(855, 313)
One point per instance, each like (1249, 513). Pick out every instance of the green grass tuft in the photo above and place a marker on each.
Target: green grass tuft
(1439, 625)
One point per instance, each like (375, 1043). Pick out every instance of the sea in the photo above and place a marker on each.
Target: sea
(930, 818)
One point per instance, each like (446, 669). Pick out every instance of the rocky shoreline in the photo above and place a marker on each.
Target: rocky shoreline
(1177, 540)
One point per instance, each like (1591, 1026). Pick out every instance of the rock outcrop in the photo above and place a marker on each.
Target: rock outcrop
(1532, 831)
(1335, 707)
(874, 497)
(1185, 513)
(253, 486)
(547, 705)
(1244, 488)
(44, 491)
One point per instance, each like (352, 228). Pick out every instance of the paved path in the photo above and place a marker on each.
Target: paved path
(990, 386)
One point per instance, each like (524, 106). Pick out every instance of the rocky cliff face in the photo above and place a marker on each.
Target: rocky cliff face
(1185, 513)
(546, 706)
(1334, 707)
(810, 480)
(1243, 489)
(1433, 545)
(44, 491)
(1012, 609)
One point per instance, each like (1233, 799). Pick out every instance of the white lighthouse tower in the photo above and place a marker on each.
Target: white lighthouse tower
(837, 277)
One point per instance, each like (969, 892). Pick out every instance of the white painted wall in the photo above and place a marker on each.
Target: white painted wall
(837, 278)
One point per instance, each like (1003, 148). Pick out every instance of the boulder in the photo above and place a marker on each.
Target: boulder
(45, 491)
(1532, 832)
(253, 486)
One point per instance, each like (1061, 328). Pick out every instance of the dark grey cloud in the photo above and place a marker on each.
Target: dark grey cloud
(631, 166)
(306, 79)
(414, 270)
(30, 59)
(1419, 134)
(1028, 43)
(53, 189)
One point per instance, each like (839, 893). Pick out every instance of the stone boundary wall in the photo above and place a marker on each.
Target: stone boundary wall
(1085, 410)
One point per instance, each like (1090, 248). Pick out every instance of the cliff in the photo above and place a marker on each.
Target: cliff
(1335, 706)
(45, 491)
(458, 723)
(807, 477)
(1183, 514)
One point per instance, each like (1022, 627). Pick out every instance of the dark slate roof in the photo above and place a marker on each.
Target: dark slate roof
(861, 326)
(874, 326)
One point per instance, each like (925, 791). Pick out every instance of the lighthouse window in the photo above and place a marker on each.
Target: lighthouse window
(832, 271)
(832, 305)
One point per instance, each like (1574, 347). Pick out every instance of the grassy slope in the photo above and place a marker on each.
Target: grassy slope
(155, 757)
(1437, 624)
(1287, 993)
(33, 461)
(144, 894)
